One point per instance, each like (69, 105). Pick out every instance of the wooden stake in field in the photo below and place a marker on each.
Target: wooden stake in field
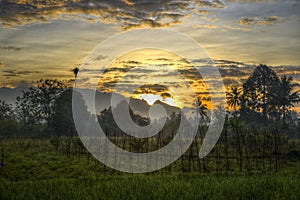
(2, 155)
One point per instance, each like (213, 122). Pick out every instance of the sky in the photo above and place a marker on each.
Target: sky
(46, 39)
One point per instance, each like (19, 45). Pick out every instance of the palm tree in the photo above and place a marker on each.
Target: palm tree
(286, 96)
(202, 108)
(234, 97)
(75, 71)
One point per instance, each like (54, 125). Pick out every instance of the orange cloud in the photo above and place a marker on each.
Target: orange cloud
(260, 21)
(127, 13)
(205, 26)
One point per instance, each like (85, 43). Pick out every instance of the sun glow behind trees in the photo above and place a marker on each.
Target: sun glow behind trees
(150, 70)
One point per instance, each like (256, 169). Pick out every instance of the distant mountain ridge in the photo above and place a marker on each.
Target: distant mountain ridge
(9, 95)
(141, 107)
(102, 101)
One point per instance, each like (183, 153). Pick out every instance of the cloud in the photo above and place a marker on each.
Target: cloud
(125, 13)
(101, 57)
(236, 28)
(12, 48)
(1, 64)
(228, 62)
(211, 4)
(210, 19)
(205, 26)
(15, 73)
(253, 1)
(270, 20)
(201, 12)
(128, 2)
(260, 21)
(247, 21)
(153, 88)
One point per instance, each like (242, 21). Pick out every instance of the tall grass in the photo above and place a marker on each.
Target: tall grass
(35, 170)
(180, 186)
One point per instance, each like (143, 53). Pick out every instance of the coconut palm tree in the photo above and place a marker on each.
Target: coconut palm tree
(75, 71)
(286, 95)
(234, 97)
(202, 108)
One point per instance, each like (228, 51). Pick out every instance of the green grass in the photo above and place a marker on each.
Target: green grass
(180, 186)
(33, 170)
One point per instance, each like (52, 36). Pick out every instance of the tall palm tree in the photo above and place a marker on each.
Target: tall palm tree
(75, 71)
(234, 100)
(202, 108)
(286, 95)
(234, 97)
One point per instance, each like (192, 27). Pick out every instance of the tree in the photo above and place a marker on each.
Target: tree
(8, 126)
(63, 122)
(259, 91)
(63, 119)
(286, 95)
(234, 98)
(202, 108)
(5, 111)
(37, 104)
(75, 71)
(110, 127)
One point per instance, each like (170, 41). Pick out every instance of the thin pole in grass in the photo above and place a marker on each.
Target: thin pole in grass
(2, 155)
(197, 151)
(264, 149)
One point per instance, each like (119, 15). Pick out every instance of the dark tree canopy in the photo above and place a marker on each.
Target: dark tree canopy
(109, 125)
(5, 111)
(37, 104)
(63, 122)
(62, 118)
(234, 98)
(259, 91)
(286, 95)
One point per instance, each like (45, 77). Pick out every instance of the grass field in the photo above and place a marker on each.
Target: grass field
(180, 186)
(34, 170)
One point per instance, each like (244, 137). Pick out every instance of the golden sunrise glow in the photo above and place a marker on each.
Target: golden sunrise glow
(46, 39)
(152, 98)
(153, 72)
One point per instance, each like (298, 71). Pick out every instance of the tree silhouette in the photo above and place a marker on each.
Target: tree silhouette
(62, 118)
(234, 98)
(109, 125)
(286, 96)
(5, 111)
(202, 108)
(75, 71)
(63, 122)
(37, 104)
(259, 90)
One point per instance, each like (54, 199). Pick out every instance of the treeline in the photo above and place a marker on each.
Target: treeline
(264, 100)
(259, 133)
(42, 111)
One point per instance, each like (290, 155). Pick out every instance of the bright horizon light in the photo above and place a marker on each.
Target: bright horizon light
(152, 98)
